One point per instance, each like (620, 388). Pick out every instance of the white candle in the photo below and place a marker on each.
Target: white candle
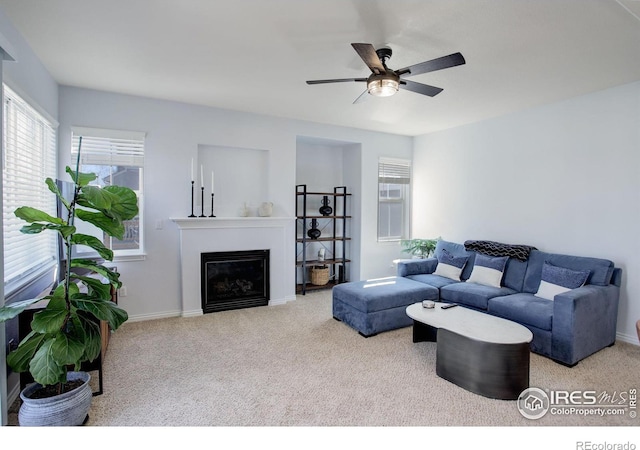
(191, 169)
(201, 175)
(212, 181)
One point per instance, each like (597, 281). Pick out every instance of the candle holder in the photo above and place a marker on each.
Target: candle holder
(212, 215)
(202, 201)
(192, 214)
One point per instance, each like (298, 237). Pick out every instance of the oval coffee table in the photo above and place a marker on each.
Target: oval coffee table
(481, 353)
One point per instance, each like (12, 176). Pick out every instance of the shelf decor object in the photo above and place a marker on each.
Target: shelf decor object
(192, 214)
(328, 229)
(319, 275)
(314, 232)
(202, 201)
(325, 209)
(212, 215)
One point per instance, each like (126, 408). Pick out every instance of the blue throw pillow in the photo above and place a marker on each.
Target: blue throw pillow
(450, 266)
(556, 280)
(488, 270)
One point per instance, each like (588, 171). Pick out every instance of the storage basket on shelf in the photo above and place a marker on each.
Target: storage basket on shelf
(319, 275)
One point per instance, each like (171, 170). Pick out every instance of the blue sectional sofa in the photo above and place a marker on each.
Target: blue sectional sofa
(569, 321)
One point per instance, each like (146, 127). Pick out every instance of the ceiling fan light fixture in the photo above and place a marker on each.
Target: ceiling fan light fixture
(383, 87)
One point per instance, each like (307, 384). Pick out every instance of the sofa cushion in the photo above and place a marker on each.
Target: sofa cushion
(556, 280)
(488, 270)
(514, 273)
(601, 269)
(432, 280)
(450, 266)
(523, 308)
(456, 250)
(472, 294)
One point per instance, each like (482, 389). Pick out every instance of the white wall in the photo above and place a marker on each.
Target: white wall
(175, 132)
(563, 177)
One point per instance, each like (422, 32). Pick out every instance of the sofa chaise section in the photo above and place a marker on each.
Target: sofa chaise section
(378, 305)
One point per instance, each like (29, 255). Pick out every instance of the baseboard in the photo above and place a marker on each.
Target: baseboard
(163, 315)
(631, 339)
(282, 301)
(196, 313)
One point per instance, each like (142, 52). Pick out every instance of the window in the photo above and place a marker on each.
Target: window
(117, 158)
(394, 185)
(29, 158)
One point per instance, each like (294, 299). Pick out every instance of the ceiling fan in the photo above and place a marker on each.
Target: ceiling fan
(384, 82)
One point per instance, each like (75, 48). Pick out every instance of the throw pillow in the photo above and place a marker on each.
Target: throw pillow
(557, 280)
(488, 270)
(450, 266)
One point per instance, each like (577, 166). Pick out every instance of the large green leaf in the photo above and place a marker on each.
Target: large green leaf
(67, 349)
(20, 358)
(96, 287)
(109, 225)
(11, 310)
(126, 206)
(94, 243)
(83, 179)
(34, 228)
(91, 337)
(43, 366)
(101, 309)
(110, 274)
(53, 187)
(96, 198)
(29, 214)
(51, 319)
(117, 202)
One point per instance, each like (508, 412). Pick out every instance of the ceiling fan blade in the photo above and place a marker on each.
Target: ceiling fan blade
(335, 80)
(444, 62)
(370, 57)
(362, 97)
(420, 88)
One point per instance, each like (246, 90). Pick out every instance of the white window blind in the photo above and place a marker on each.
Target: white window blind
(29, 158)
(108, 147)
(394, 172)
(117, 158)
(394, 182)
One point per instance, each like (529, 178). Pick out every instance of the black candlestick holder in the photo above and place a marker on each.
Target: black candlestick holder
(192, 214)
(212, 215)
(202, 201)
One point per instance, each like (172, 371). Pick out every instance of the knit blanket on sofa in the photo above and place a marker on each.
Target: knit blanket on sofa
(519, 252)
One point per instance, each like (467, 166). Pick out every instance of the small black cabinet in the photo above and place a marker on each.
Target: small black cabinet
(321, 223)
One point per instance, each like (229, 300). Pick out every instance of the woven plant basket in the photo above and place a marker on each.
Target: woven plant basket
(319, 275)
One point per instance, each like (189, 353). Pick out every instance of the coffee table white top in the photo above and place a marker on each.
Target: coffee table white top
(472, 324)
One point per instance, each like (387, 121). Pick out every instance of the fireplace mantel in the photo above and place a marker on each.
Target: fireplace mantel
(190, 223)
(219, 234)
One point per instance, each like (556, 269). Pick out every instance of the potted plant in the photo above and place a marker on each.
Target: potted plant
(422, 248)
(66, 332)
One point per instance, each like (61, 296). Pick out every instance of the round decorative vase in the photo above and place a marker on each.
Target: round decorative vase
(67, 409)
(314, 232)
(325, 209)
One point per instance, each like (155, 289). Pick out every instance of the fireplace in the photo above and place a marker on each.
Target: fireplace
(233, 280)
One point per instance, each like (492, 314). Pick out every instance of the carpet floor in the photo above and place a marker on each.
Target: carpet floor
(294, 365)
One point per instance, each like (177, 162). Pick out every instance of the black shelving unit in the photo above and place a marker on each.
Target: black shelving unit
(334, 238)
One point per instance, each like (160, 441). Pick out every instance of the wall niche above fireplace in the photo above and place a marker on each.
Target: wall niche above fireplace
(233, 280)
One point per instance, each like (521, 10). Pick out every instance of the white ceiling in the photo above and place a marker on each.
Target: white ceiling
(255, 55)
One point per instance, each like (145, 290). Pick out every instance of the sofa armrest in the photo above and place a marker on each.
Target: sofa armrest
(584, 321)
(416, 266)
